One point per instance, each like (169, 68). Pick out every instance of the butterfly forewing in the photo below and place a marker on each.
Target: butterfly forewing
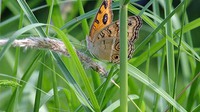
(103, 18)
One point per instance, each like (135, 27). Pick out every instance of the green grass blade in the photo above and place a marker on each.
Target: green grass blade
(170, 51)
(105, 87)
(13, 101)
(134, 72)
(80, 94)
(160, 75)
(18, 92)
(49, 15)
(194, 87)
(197, 109)
(123, 13)
(56, 14)
(84, 16)
(190, 26)
(48, 96)
(141, 99)
(55, 87)
(179, 52)
(152, 24)
(31, 16)
(109, 95)
(146, 7)
(84, 22)
(143, 57)
(12, 6)
(17, 53)
(39, 86)
(79, 67)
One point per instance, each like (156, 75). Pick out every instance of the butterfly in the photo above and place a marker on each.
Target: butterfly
(103, 40)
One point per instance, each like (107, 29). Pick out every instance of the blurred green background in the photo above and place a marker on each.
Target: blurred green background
(9, 23)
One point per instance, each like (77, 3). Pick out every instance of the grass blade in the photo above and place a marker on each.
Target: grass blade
(31, 16)
(80, 94)
(123, 13)
(39, 86)
(134, 72)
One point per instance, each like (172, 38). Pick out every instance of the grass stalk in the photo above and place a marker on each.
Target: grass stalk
(56, 13)
(31, 17)
(79, 67)
(84, 22)
(157, 28)
(141, 99)
(55, 89)
(179, 50)
(39, 86)
(170, 50)
(160, 59)
(18, 91)
(49, 16)
(123, 57)
(160, 76)
(17, 53)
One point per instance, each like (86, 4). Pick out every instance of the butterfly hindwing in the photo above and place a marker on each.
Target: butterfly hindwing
(106, 42)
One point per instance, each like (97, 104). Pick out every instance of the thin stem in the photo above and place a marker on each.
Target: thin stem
(84, 22)
(123, 58)
(170, 51)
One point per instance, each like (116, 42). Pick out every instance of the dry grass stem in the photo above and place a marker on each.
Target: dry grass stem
(55, 45)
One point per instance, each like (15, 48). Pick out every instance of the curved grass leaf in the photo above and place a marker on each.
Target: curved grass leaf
(72, 83)
(79, 67)
(134, 72)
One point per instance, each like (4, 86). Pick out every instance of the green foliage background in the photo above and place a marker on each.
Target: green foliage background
(39, 80)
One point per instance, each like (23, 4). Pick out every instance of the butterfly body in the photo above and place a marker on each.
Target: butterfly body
(103, 41)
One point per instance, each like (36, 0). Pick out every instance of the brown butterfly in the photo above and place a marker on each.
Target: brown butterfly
(103, 39)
